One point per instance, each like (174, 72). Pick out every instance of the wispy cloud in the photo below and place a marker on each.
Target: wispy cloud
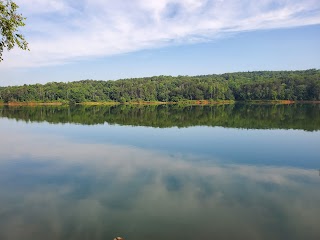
(61, 31)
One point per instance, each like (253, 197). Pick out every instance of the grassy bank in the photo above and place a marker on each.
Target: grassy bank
(98, 103)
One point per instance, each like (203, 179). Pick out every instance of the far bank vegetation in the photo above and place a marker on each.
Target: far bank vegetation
(242, 86)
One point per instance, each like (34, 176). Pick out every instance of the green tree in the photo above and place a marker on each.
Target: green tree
(10, 21)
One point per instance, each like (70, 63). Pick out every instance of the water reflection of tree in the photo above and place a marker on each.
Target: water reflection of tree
(255, 116)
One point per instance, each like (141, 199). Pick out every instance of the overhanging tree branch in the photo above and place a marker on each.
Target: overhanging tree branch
(10, 21)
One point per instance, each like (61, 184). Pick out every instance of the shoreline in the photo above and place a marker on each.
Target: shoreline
(187, 102)
(30, 104)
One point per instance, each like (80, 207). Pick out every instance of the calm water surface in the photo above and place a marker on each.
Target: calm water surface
(166, 172)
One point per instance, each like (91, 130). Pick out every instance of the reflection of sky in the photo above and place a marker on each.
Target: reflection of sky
(97, 182)
(263, 147)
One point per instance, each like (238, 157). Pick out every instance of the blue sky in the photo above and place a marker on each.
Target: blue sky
(112, 39)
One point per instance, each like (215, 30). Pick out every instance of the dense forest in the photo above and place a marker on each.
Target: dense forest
(249, 116)
(260, 85)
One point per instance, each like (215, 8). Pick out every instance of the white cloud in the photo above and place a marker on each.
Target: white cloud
(61, 31)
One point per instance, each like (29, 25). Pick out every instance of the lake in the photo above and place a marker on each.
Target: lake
(241, 171)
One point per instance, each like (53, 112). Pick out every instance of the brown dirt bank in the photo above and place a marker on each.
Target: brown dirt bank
(31, 104)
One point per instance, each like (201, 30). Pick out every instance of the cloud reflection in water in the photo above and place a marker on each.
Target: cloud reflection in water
(53, 187)
(59, 189)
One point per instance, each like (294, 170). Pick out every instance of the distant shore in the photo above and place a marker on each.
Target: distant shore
(31, 104)
(186, 102)
(196, 102)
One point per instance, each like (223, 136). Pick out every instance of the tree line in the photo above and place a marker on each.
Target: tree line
(248, 116)
(259, 85)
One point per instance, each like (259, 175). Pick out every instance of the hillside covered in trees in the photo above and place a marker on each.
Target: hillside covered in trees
(260, 85)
